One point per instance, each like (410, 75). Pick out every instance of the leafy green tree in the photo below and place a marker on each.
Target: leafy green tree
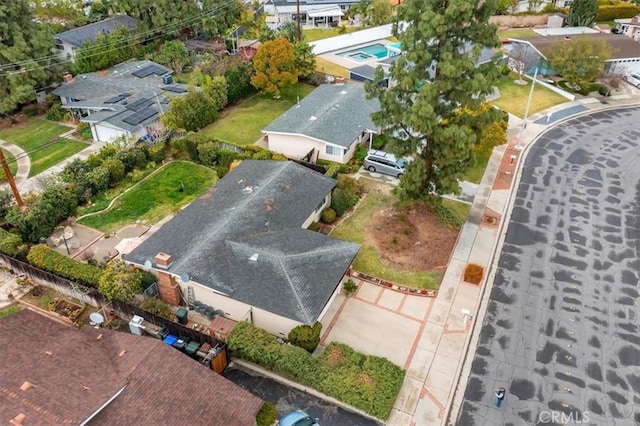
(305, 59)
(99, 11)
(275, 66)
(377, 12)
(289, 30)
(120, 281)
(582, 13)
(60, 10)
(239, 82)
(215, 87)
(174, 54)
(191, 112)
(6, 199)
(26, 60)
(105, 51)
(579, 60)
(116, 170)
(420, 113)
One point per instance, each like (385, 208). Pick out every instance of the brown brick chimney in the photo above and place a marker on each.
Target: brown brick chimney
(169, 289)
(68, 78)
(163, 260)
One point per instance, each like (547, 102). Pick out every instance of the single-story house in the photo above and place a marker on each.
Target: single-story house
(53, 374)
(68, 41)
(323, 13)
(125, 100)
(625, 52)
(329, 123)
(629, 27)
(242, 248)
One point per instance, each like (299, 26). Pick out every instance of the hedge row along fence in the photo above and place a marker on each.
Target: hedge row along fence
(50, 260)
(618, 11)
(366, 382)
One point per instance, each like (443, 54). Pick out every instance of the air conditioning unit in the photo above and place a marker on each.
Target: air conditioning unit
(135, 325)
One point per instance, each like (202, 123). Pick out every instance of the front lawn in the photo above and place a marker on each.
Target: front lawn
(35, 135)
(474, 173)
(11, 162)
(320, 33)
(360, 228)
(513, 97)
(159, 195)
(243, 124)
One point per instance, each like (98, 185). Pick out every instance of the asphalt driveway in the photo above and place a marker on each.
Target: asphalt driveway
(288, 399)
(561, 329)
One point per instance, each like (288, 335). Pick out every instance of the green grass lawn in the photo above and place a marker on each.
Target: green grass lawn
(475, 173)
(460, 209)
(513, 98)
(11, 162)
(36, 133)
(517, 33)
(368, 259)
(9, 310)
(320, 33)
(155, 197)
(242, 124)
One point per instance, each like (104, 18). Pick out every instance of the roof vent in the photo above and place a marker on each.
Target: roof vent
(17, 420)
(48, 353)
(344, 92)
(254, 257)
(247, 189)
(122, 352)
(26, 386)
(312, 118)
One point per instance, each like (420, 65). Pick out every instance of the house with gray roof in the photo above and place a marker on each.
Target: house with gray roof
(125, 100)
(67, 42)
(243, 248)
(328, 123)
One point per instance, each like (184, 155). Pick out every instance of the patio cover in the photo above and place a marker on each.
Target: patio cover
(325, 13)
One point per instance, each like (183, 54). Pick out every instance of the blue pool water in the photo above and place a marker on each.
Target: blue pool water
(364, 53)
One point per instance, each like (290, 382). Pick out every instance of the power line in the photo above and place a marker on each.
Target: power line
(137, 37)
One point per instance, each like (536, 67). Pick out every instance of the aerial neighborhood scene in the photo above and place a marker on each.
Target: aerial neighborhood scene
(320, 212)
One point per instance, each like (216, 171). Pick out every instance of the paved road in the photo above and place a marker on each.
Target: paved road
(561, 329)
(288, 399)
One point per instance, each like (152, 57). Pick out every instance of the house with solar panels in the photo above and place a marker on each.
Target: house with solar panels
(126, 100)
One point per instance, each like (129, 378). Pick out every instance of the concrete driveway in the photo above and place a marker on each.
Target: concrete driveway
(561, 329)
(378, 321)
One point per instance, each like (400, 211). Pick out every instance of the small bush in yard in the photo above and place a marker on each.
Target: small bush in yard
(349, 287)
(473, 273)
(158, 307)
(328, 215)
(267, 415)
(305, 336)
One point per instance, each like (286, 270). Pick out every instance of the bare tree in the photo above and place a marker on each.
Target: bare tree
(521, 59)
(87, 255)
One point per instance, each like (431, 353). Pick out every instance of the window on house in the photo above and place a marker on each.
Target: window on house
(321, 204)
(333, 150)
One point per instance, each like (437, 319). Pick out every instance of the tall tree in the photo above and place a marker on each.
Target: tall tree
(25, 55)
(305, 59)
(120, 281)
(174, 54)
(377, 12)
(60, 11)
(579, 60)
(105, 51)
(521, 58)
(275, 66)
(436, 75)
(191, 112)
(582, 13)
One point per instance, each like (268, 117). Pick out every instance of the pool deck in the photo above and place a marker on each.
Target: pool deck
(349, 63)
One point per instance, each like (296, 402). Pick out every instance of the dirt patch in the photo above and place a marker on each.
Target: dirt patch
(334, 355)
(411, 239)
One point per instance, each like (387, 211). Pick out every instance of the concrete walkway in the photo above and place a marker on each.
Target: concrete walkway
(438, 368)
(22, 159)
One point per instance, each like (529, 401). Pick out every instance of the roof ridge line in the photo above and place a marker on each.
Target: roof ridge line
(298, 300)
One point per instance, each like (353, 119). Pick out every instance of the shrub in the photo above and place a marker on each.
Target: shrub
(116, 171)
(366, 382)
(328, 215)
(56, 113)
(10, 243)
(315, 226)
(618, 11)
(306, 337)
(158, 307)
(349, 287)
(473, 273)
(30, 110)
(267, 415)
(98, 179)
(50, 260)
(84, 130)
(184, 148)
(346, 194)
(332, 170)
(604, 91)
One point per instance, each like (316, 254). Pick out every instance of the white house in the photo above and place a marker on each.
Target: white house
(126, 100)
(67, 42)
(629, 27)
(328, 123)
(242, 248)
(313, 13)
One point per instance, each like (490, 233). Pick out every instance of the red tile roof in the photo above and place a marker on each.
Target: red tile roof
(74, 372)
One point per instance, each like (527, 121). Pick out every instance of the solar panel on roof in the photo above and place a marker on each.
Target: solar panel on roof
(140, 116)
(148, 70)
(116, 99)
(175, 89)
(139, 104)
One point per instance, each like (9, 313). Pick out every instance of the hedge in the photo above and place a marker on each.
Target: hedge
(618, 11)
(10, 243)
(366, 382)
(50, 260)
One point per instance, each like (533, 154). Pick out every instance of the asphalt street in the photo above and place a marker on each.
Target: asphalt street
(561, 328)
(287, 399)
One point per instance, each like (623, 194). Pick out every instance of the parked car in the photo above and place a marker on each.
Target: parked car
(298, 418)
(633, 78)
(384, 162)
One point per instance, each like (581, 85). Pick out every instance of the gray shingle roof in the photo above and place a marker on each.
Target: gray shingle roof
(257, 209)
(78, 36)
(333, 113)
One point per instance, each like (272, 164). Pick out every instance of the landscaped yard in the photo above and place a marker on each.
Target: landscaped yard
(242, 124)
(159, 195)
(320, 33)
(404, 245)
(513, 97)
(34, 135)
(475, 173)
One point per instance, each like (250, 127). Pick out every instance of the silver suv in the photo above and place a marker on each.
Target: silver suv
(384, 162)
(633, 78)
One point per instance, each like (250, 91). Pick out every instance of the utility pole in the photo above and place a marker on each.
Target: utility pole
(298, 27)
(12, 183)
(526, 111)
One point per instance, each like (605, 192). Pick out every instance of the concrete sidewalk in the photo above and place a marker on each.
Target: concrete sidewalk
(437, 375)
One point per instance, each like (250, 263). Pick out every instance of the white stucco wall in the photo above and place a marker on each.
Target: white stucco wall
(315, 216)
(105, 133)
(297, 146)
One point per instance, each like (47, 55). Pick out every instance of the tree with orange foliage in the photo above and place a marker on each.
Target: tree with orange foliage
(275, 66)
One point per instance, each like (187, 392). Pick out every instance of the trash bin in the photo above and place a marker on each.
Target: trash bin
(181, 316)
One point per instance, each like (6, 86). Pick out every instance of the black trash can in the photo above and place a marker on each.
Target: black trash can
(181, 316)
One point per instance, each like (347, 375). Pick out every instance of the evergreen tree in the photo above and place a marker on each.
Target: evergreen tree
(582, 13)
(25, 55)
(436, 75)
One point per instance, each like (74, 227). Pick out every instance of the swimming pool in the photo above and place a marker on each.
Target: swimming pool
(365, 53)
